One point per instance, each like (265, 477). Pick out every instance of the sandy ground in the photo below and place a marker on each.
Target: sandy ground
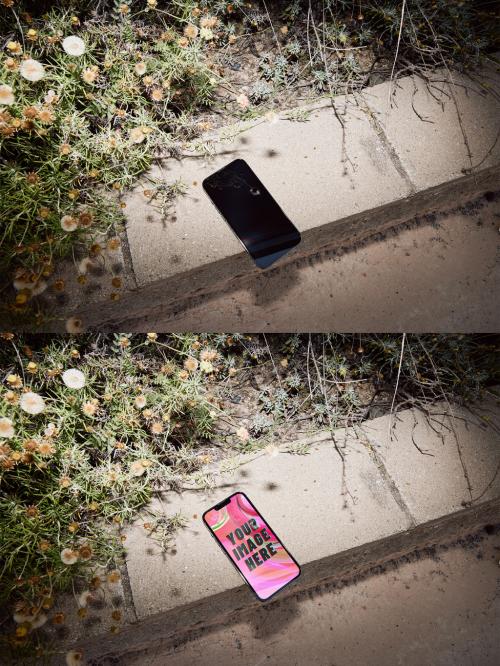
(439, 277)
(440, 610)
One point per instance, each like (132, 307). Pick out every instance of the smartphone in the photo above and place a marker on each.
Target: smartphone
(251, 545)
(261, 226)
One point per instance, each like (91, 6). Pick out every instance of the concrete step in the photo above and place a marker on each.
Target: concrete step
(343, 175)
(440, 608)
(360, 498)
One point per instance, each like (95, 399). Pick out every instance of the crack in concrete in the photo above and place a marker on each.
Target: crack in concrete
(389, 148)
(127, 593)
(394, 490)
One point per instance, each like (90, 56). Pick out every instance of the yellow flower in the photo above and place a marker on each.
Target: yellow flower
(124, 9)
(15, 48)
(15, 381)
(11, 397)
(11, 64)
(152, 336)
(32, 367)
(32, 35)
(152, 3)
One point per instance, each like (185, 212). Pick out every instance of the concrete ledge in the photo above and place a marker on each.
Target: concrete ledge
(385, 500)
(339, 181)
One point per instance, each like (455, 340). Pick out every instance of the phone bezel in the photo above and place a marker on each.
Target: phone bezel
(218, 506)
(255, 258)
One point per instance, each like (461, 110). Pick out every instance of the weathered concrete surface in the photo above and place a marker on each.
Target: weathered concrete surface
(442, 610)
(438, 277)
(458, 461)
(340, 182)
(344, 522)
(457, 133)
(302, 498)
(303, 168)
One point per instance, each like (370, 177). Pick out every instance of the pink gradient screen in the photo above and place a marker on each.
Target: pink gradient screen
(252, 546)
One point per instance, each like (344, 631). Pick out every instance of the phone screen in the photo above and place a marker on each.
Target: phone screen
(251, 545)
(251, 212)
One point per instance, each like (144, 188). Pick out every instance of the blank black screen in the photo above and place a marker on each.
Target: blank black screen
(251, 212)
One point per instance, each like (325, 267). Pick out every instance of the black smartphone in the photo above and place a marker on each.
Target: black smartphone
(251, 545)
(254, 216)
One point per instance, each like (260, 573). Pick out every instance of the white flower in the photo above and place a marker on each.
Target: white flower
(206, 367)
(69, 556)
(74, 325)
(6, 95)
(50, 430)
(38, 621)
(73, 378)
(137, 468)
(243, 434)
(32, 70)
(137, 135)
(38, 287)
(69, 223)
(50, 97)
(73, 45)
(84, 598)
(32, 403)
(74, 658)
(206, 33)
(140, 68)
(140, 401)
(6, 427)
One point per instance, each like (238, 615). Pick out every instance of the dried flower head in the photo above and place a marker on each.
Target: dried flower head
(6, 428)
(6, 95)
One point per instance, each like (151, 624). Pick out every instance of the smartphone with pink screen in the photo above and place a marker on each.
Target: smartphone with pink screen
(251, 545)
